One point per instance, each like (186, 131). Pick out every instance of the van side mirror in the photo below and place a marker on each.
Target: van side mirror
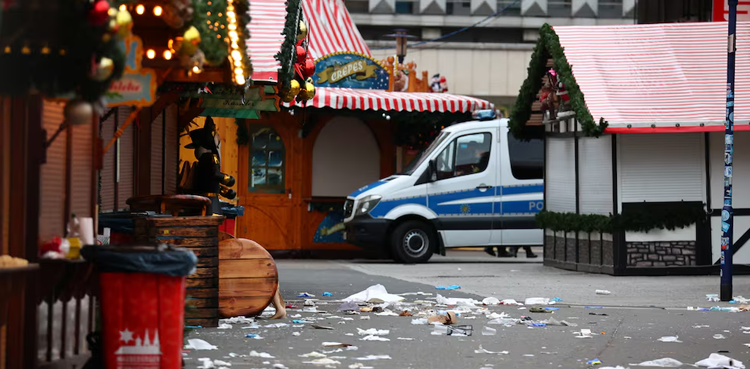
(432, 168)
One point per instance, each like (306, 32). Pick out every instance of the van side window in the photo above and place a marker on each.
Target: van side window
(465, 155)
(526, 157)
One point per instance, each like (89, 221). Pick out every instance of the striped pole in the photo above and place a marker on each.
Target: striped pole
(727, 212)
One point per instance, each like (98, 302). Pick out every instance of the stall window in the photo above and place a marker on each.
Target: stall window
(267, 164)
(466, 155)
(526, 157)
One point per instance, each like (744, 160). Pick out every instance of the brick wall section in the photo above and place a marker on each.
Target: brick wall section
(661, 254)
(583, 249)
(549, 246)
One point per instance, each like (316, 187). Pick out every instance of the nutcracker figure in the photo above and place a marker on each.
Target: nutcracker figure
(208, 180)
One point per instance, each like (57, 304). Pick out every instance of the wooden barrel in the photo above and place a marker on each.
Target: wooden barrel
(200, 235)
(248, 278)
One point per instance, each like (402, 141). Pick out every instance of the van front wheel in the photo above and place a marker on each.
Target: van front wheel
(413, 242)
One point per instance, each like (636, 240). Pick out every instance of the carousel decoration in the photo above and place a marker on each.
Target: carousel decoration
(554, 97)
(205, 178)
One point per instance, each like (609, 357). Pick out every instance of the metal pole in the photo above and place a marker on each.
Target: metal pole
(727, 212)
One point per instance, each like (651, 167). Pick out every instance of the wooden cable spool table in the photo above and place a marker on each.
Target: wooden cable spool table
(200, 234)
(248, 278)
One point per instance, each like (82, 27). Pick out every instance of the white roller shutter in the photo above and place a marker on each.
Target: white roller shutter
(82, 170)
(157, 152)
(595, 175)
(172, 149)
(52, 188)
(126, 168)
(662, 167)
(560, 176)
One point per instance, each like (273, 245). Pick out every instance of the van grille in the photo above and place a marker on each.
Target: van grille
(348, 207)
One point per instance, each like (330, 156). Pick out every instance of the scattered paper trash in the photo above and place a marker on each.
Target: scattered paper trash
(487, 331)
(491, 301)
(224, 326)
(419, 321)
(584, 333)
(374, 338)
(481, 350)
(603, 292)
(720, 361)
(373, 332)
(199, 344)
(296, 334)
(411, 339)
(670, 339)
(713, 297)
(261, 354)
(453, 287)
(323, 361)
(321, 327)
(313, 354)
(327, 294)
(376, 294)
(457, 301)
(666, 362)
(335, 344)
(719, 336)
(373, 357)
(537, 301)
(509, 302)
(449, 318)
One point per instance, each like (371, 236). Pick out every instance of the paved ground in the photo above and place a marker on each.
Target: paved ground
(626, 335)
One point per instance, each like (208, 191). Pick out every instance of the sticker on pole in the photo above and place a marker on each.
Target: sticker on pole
(724, 226)
(724, 215)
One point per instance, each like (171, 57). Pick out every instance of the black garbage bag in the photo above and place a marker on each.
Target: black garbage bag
(162, 259)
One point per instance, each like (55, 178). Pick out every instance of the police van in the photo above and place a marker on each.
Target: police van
(476, 185)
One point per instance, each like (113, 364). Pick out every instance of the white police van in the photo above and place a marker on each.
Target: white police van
(475, 185)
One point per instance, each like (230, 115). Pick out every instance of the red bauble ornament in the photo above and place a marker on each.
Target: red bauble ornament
(308, 68)
(99, 13)
(301, 54)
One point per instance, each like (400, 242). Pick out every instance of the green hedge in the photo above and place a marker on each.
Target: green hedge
(637, 218)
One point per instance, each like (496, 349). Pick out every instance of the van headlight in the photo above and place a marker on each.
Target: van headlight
(367, 204)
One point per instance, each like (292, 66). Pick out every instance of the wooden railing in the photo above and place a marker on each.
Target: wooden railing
(66, 311)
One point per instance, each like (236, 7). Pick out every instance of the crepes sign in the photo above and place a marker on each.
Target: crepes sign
(350, 70)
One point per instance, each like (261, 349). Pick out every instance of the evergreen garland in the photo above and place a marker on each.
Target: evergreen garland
(287, 53)
(549, 46)
(210, 18)
(639, 218)
(243, 135)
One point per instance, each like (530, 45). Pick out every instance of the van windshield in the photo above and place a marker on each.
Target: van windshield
(419, 159)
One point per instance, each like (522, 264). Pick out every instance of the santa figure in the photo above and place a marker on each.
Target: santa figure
(443, 85)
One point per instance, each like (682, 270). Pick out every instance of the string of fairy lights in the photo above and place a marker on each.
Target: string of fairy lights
(232, 38)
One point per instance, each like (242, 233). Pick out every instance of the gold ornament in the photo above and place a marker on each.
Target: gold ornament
(103, 70)
(189, 43)
(308, 92)
(302, 33)
(79, 112)
(295, 87)
(124, 23)
(287, 96)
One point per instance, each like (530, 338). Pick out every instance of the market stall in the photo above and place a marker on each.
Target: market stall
(296, 160)
(633, 119)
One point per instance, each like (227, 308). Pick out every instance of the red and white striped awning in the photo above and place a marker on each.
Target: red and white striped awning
(330, 30)
(356, 99)
(659, 74)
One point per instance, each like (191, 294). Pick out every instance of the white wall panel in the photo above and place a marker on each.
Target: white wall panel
(595, 175)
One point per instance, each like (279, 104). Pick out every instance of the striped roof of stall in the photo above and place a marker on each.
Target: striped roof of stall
(360, 99)
(658, 74)
(330, 30)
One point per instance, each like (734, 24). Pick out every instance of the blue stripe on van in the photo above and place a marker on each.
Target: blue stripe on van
(383, 207)
(368, 187)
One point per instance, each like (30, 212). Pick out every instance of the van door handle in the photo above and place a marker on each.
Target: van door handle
(483, 187)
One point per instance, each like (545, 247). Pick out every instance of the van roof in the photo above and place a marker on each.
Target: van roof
(502, 122)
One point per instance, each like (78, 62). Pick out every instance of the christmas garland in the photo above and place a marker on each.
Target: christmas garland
(288, 47)
(634, 218)
(549, 46)
(210, 20)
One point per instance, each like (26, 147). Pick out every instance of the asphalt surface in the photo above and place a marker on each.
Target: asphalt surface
(625, 336)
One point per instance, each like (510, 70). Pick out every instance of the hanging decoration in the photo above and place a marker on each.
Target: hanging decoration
(287, 54)
(178, 13)
(75, 54)
(301, 85)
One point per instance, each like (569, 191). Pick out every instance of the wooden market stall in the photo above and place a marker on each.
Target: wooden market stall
(296, 162)
(633, 173)
(66, 151)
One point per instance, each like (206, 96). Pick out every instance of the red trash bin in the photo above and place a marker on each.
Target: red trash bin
(142, 314)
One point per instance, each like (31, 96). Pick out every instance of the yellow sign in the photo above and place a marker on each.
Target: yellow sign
(358, 67)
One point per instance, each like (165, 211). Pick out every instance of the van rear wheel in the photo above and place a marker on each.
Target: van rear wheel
(413, 241)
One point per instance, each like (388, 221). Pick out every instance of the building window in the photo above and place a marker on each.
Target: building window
(267, 162)
(458, 7)
(405, 7)
(526, 157)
